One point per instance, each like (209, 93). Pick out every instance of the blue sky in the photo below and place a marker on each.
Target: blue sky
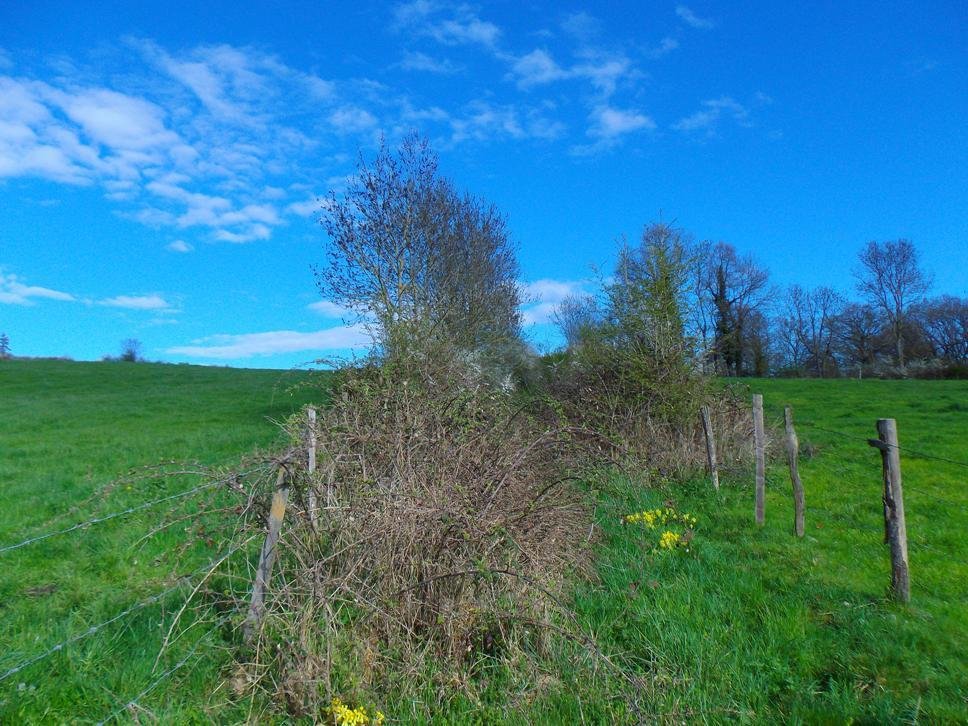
(159, 161)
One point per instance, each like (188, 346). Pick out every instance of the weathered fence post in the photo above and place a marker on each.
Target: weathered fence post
(262, 574)
(894, 524)
(759, 442)
(707, 427)
(311, 467)
(793, 449)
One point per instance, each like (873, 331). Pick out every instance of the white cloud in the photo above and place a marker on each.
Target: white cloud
(609, 123)
(256, 231)
(693, 20)
(136, 302)
(582, 26)
(712, 111)
(306, 208)
(537, 68)
(249, 345)
(544, 296)
(14, 292)
(665, 46)
(417, 61)
(329, 309)
(352, 119)
(447, 24)
(179, 245)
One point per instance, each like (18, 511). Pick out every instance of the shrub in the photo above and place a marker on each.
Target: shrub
(446, 525)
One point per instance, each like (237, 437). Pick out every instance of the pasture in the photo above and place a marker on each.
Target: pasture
(750, 624)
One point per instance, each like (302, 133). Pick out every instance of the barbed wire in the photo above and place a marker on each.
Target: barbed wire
(131, 510)
(907, 449)
(108, 517)
(860, 437)
(154, 684)
(140, 605)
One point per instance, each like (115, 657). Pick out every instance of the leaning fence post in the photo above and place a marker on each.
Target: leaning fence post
(894, 524)
(707, 427)
(759, 441)
(311, 467)
(262, 574)
(793, 449)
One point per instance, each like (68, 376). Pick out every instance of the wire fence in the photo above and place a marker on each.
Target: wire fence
(854, 458)
(189, 583)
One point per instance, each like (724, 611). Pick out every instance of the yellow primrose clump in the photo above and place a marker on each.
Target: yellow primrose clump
(343, 715)
(669, 540)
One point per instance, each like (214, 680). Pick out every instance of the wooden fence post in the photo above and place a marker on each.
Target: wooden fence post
(894, 524)
(311, 467)
(262, 574)
(793, 449)
(707, 427)
(759, 441)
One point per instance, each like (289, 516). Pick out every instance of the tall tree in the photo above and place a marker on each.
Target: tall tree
(4, 346)
(891, 278)
(423, 262)
(736, 287)
(943, 322)
(808, 327)
(857, 336)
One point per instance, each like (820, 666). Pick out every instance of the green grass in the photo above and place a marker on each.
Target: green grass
(751, 624)
(66, 430)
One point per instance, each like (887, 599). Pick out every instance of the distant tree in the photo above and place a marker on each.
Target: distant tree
(733, 288)
(4, 346)
(647, 300)
(807, 328)
(891, 278)
(419, 260)
(858, 336)
(577, 317)
(943, 323)
(130, 350)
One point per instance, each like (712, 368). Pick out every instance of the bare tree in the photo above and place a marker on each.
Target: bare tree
(421, 261)
(944, 324)
(735, 287)
(807, 326)
(892, 279)
(858, 339)
(577, 317)
(131, 350)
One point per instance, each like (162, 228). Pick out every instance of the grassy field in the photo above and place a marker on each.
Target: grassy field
(66, 430)
(750, 624)
(753, 624)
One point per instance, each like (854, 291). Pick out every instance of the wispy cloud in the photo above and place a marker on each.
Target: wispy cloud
(15, 292)
(249, 345)
(329, 309)
(664, 48)
(179, 245)
(137, 302)
(544, 296)
(707, 118)
(447, 23)
(417, 61)
(690, 18)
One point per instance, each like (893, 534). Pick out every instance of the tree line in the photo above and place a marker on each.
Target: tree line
(732, 321)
